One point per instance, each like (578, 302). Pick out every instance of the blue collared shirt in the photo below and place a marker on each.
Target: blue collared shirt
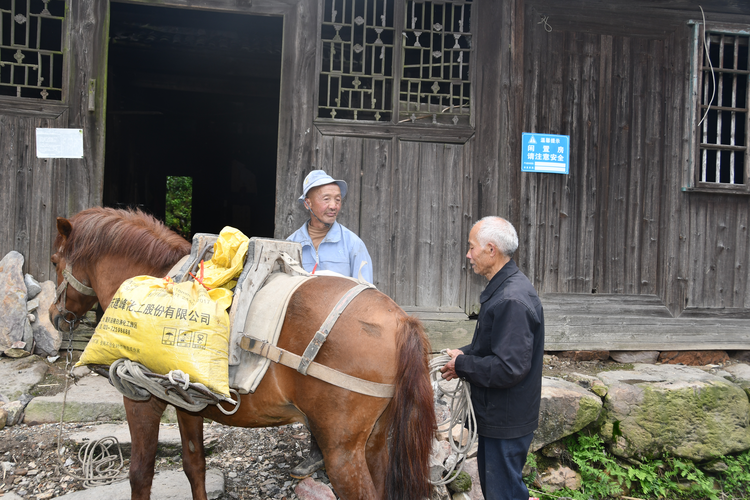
(341, 251)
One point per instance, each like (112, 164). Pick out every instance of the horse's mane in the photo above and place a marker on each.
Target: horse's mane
(128, 233)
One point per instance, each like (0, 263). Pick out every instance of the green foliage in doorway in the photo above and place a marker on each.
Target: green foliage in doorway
(180, 204)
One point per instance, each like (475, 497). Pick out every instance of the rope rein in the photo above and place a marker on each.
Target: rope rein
(461, 414)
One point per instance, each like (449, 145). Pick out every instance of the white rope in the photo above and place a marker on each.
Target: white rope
(100, 467)
(138, 383)
(462, 415)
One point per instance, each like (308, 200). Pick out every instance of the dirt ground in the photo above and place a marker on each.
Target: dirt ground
(255, 462)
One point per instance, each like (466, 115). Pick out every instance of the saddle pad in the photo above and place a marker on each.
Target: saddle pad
(264, 321)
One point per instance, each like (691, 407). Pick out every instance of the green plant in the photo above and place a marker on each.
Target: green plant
(179, 204)
(735, 481)
(604, 476)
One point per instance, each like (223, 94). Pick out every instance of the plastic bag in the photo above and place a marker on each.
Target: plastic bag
(166, 326)
(228, 259)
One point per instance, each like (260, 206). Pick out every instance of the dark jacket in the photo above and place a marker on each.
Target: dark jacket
(504, 361)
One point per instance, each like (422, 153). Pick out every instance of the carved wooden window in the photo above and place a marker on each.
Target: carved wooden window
(723, 93)
(31, 48)
(405, 61)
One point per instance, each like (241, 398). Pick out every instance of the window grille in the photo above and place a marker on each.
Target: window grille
(31, 48)
(723, 110)
(356, 78)
(425, 68)
(435, 71)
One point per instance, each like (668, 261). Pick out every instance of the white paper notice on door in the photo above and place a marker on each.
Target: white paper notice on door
(59, 143)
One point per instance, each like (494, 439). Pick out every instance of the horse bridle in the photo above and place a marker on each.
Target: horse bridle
(62, 289)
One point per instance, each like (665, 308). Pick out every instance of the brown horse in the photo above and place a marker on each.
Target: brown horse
(373, 447)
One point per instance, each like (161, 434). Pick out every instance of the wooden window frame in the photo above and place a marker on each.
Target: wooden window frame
(421, 130)
(695, 181)
(43, 102)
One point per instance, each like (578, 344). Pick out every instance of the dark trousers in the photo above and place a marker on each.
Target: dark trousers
(500, 462)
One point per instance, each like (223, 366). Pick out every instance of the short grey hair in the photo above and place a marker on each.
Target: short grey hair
(500, 233)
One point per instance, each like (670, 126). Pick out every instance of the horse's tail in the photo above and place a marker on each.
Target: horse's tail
(412, 425)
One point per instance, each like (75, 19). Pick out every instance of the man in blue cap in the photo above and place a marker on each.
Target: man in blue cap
(327, 246)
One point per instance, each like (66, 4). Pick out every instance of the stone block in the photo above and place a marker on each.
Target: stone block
(680, 410)
(565, 409)
(693, 358)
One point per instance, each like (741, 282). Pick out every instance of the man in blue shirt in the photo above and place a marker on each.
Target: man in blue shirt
(327, 246)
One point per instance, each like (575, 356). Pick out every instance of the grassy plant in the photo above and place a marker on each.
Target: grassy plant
(604, 476)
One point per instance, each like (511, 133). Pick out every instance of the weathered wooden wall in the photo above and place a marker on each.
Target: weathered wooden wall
(621, 254)
(32, 190)
(405, 199)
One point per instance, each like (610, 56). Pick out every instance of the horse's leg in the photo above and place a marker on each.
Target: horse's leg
(193, 457)
(143, 421)
(377, 455)
(347, 469)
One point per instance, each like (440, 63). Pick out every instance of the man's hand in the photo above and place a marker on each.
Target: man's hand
(449, 370)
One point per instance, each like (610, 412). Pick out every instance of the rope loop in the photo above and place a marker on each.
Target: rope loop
(460, 414)
(138, 383)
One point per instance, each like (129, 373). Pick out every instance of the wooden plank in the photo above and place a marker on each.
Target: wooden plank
(375, 212)
(8, 166)
(41, 214)
(88, 37)
(450, 203)
(707, 297)
(741, 289)
(653, 175)
(406, 184)
(430, 226)
(636, 167)
(414, 133)
(31, 107)
(23, 189)
(726, 222)
(569, 190)
(616, 241)
(347, 165)
(697, 253)
(603, 165)
(674, 218)
(295, 144)
(469, 295)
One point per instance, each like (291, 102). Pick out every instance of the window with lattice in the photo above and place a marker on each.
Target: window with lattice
(722, 132)
(31, 48)
(406, 61)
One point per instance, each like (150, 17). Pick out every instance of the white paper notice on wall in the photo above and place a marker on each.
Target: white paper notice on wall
(59, 143)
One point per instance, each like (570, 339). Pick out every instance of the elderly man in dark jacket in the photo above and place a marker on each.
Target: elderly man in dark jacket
(503, 363)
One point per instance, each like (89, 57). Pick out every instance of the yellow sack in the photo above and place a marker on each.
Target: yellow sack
(226, 264)
(166, 326)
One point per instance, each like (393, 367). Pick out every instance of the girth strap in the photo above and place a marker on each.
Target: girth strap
(322, 334)
(322, 372)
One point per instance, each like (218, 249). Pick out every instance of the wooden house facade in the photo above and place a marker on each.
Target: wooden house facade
(420, 106)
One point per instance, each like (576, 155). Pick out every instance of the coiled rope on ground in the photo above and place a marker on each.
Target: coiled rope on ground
(458, 401)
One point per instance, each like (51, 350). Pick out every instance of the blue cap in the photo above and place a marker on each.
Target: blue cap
(319, 178)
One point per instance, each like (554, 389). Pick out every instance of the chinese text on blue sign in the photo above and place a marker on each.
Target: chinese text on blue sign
(548, 153)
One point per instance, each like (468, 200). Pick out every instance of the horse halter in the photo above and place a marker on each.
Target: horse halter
(69, 279)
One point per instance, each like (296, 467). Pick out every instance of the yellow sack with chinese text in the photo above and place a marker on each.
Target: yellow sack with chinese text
(166, 326)
(228, 259)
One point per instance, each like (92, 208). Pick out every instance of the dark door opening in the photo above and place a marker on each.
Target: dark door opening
(194, 94)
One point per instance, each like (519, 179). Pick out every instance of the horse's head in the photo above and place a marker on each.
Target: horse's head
(74, 297)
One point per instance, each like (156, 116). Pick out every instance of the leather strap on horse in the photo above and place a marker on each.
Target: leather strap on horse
(322, 372)
(322, 334)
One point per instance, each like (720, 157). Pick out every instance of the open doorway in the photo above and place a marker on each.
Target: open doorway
(194, 94)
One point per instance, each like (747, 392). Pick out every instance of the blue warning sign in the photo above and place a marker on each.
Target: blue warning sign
(548, 153)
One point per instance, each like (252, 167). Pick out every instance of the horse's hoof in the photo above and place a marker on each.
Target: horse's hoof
(307, 467)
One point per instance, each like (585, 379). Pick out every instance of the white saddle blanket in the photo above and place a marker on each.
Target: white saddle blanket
(264, 321)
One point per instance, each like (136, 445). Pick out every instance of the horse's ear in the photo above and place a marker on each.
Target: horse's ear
(64, 227)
